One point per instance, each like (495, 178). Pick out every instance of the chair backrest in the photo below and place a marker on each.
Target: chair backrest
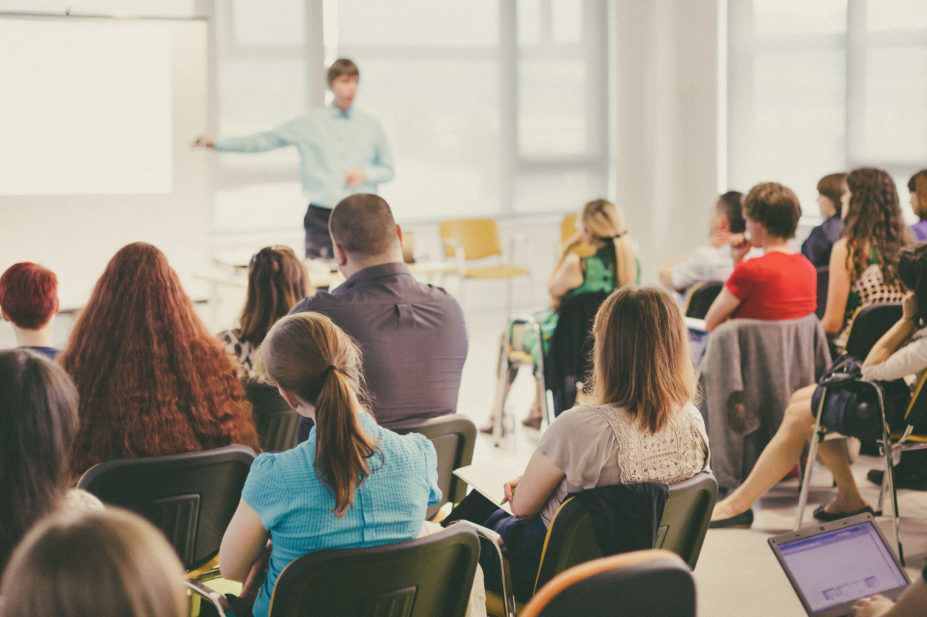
(686, 515)
(190, 497)
(567, 360)
(276, 423)
(424, 577)
(454, 437)
(700, 297)
(571, 538)
(655, 583)
(823, 279)
(570, 541)
(567, 229)
(479, 238)
(868, 325)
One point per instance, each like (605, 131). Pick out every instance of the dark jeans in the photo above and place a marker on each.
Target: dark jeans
(318, 240)
(523, 538)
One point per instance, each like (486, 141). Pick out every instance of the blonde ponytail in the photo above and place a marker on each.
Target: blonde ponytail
(605, 221)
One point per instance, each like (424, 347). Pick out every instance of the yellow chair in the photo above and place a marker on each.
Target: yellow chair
(472, 242)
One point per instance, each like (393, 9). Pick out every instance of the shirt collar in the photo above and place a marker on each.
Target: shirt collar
(375, 272)
(337, 113)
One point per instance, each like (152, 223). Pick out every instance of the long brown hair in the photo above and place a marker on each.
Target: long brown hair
(152, 380)
(604, 221)
(109, 563)
(311, 356)
(277, 279)
(873, 221)
(38, 421)
(641, 355)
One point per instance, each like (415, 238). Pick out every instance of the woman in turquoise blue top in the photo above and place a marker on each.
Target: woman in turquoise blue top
(601, 225)
(352, 484)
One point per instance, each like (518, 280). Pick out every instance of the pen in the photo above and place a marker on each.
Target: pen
(506, 499)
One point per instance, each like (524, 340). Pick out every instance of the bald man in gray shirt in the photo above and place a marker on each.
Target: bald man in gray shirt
(412, 335)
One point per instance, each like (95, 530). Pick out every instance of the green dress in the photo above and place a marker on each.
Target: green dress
(598, 275)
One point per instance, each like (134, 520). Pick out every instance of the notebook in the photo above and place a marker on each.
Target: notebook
(831, 565)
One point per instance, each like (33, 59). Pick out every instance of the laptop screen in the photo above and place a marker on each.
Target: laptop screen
(842, 565)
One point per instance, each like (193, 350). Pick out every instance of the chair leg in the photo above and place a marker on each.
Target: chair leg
(502, 370)
(539, 373)
(806, 483)
(884, 485)
(893, 497)
(508, 296)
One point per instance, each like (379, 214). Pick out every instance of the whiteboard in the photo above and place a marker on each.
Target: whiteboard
(97, 117)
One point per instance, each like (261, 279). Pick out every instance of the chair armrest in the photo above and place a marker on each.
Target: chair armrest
(493, 538)
(197, 588)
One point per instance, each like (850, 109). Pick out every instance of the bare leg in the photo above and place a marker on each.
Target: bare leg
(777, 458)
(833, 453)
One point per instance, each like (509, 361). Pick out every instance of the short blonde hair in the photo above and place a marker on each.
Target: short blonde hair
(641, 356)
(109, 563)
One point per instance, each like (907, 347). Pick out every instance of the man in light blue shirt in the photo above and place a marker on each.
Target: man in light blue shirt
(341, 151)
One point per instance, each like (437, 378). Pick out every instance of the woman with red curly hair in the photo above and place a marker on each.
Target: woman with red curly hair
(151, 378)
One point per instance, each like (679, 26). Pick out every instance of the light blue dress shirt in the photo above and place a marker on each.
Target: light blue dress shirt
(331, 143)
(296, 507)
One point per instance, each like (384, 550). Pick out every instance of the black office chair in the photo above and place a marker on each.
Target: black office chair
(275, 422)
(425, 577)
(191, 497)
(454, 437)
(686, 515)
(654, 582)
(699, 298)
(571, 538)
(823, 279)
(868, 325)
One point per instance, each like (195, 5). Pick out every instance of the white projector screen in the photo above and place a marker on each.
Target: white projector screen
(86, 107)
(96, 119)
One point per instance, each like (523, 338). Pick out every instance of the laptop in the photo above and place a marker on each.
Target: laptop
(831, 565)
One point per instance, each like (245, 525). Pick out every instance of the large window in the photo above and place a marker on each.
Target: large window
(491, 107)
(817, 87)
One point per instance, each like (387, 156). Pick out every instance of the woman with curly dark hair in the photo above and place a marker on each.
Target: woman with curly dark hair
(152, 380)
(277, 279)
(864, 261)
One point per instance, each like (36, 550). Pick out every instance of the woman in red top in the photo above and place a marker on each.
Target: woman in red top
(782, 284)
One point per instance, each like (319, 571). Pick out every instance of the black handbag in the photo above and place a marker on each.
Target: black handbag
(851, 407)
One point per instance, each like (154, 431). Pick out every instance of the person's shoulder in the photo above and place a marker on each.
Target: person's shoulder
(691, 414)
(319, 302)
(588, 417)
